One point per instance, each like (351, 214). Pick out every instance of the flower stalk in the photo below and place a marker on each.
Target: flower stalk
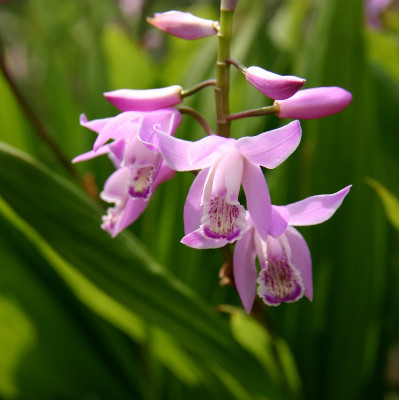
(256, 112)
(240, 66)
(196, 115)
(198, 87)
(223, 68)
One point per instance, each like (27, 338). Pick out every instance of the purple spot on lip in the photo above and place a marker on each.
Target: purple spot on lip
(141, 195)
(213, 235)
(279, 282)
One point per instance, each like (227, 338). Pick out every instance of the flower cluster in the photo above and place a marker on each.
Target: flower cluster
(141, 144)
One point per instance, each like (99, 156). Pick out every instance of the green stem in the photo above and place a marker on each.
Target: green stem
(222, 68)
(196, 88)
(256, 112)
(202, 121)
(240, 66)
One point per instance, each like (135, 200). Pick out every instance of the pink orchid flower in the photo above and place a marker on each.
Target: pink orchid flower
(284, 256)
(213, 215)
(139, 164)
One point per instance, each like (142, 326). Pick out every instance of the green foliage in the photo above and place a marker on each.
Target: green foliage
(139, 316)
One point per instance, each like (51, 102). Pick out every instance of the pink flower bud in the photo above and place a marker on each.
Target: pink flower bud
(184, 25)
(272, 85)
(145, 100)
(314, 103)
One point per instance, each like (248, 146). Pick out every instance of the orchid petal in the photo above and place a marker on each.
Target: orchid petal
(258, 198)
(115, 187)
(275, 86)
(316, 209)
(228, 176)
(206, 147)
(133, 209)
(192, 207)
(271, 148)
(145, 100)
(184, 25)
(116, 152)
(164, 173)
(96, 125)
(314, 103)
(91, 154)
(300, 257)
(279, 220)
(165, 121)
(175, 152)
(121, 126)
(197, 240)
(245, 273)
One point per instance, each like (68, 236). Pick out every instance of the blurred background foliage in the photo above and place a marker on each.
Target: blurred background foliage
(84, 316)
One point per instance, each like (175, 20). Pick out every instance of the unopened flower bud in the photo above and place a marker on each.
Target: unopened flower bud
(145, 100)
(184, 25)
(314, 103)
(277, 87)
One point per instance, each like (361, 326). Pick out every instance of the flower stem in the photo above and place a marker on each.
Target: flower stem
(253, 113)
(196, 88)
(222, 68)
(202, 121)
(240, 66)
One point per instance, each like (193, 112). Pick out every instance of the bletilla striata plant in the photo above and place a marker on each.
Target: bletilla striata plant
(141, 144)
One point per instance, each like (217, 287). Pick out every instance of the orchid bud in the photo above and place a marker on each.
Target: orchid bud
(277, 87)
(145, 100)
(314, 103)
(184, 25)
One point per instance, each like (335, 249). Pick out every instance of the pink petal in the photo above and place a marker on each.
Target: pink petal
(115, 187)
(316, 209)
(273, 85)
(166, 121)
(271, 148)
(164, 173)
(228, 176)
(197, 241)
(258, 198)
(96, 125)
(184, 25)
(91, 154)
(192, 207)
(181, 155)
(314, 103)
(301, 259)
(133, 209)
(119, 127)
(245, 273)
(209, 146)
(279, 220)
(174, 151)
(145, 100)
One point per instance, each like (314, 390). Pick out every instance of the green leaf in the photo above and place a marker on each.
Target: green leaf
(116, 278)
(128, 65)
(256, 338)
(390, 202)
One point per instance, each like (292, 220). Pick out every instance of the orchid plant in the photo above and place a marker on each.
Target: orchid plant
(140, 143)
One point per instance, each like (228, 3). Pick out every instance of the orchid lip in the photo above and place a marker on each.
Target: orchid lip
(140, 184)
(223, 220)
(279, 282)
